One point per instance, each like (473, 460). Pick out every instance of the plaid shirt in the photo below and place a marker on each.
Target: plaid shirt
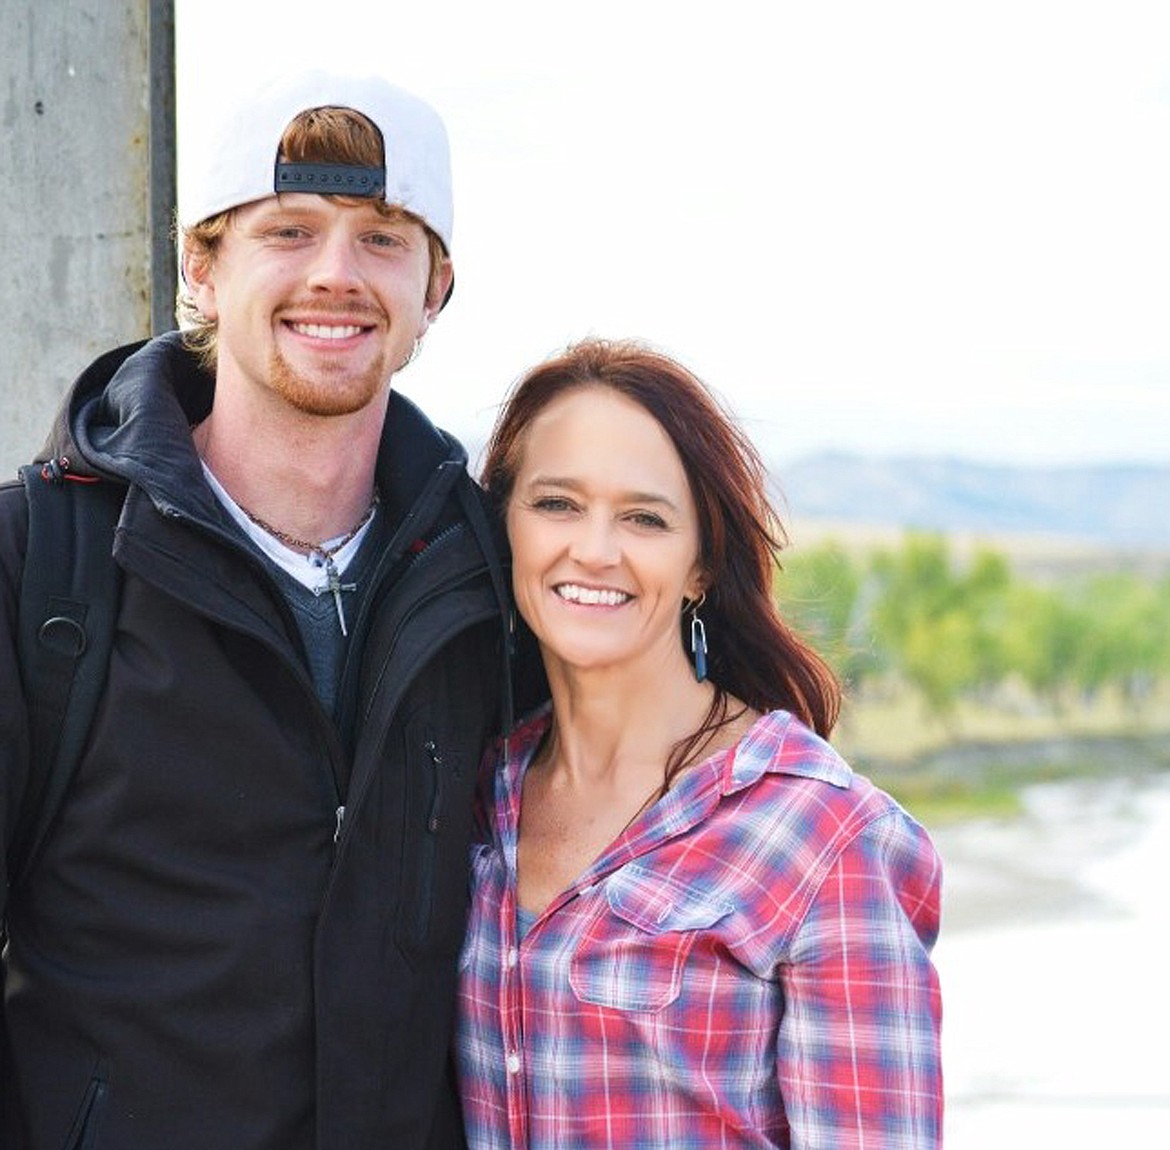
(746, 966)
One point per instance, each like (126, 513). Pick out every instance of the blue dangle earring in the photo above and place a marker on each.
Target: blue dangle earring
(699, 639)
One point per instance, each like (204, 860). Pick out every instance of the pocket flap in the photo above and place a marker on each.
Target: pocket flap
(657, 903)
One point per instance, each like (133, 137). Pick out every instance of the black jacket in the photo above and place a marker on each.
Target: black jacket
(194, 962)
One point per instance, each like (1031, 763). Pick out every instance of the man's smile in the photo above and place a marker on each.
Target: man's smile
(327, 331)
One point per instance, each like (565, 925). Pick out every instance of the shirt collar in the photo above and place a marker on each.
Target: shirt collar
(778, 743)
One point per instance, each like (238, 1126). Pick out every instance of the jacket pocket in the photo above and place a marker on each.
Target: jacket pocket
(632, 956)
(434, 870)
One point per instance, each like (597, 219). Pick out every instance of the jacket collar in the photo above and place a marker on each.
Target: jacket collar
(128, 417)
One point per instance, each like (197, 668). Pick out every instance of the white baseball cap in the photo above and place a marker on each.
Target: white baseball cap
(240, 164)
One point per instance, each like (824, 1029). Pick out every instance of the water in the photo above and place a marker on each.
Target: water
(1053, 961)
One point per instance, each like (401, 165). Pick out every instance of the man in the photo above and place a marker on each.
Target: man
(243, 928)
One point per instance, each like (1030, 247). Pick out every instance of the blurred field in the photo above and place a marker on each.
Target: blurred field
(976, 758)
(897, 729)
(977, 763)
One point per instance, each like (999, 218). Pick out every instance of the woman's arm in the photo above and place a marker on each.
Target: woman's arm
(858, 1053)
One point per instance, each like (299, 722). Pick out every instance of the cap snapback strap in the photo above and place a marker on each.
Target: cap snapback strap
(330, 179)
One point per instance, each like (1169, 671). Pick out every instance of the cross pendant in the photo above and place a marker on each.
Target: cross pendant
(334, 586)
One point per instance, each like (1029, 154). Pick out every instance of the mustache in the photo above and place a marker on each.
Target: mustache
(357, 313)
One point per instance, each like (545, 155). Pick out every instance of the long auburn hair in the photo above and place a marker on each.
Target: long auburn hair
(752, 653)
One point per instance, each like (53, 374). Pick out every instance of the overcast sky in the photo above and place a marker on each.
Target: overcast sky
(883, 226)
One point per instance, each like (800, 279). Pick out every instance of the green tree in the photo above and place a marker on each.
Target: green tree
(950, 630)
(1043, 635)
(941, 627)
(1126, 634)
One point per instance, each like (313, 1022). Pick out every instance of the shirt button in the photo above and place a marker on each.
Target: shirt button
(512, 958)
(513, 1063)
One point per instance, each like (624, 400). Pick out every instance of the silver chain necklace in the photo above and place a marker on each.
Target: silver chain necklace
(324, 550)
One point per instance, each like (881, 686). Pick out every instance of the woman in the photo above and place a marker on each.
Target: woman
(692, 924)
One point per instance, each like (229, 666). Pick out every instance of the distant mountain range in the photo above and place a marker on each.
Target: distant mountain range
(1120, 506)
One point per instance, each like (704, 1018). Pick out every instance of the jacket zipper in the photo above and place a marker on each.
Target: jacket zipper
(426, 867)
(84, 1132)
(437, 792)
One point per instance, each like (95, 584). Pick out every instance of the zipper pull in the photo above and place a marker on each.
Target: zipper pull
(340, 816)
(437, 797)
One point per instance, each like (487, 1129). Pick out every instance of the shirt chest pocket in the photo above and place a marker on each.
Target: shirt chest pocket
(632, 955)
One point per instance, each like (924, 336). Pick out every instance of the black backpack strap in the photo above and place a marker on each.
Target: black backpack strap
(68, 605)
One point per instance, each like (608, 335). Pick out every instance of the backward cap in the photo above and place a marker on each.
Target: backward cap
(240, 163)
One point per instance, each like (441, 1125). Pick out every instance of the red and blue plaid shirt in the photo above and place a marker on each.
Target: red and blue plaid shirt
(746, 966)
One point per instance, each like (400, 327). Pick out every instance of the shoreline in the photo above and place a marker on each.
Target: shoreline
(1031, 907)
(1050, 863)
(985, 779)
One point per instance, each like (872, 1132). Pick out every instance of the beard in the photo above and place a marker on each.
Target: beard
(332, 390)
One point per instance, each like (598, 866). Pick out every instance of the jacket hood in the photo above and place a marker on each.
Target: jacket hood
(128, 417)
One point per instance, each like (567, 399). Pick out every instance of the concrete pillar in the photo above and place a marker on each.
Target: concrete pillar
(87, 195)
